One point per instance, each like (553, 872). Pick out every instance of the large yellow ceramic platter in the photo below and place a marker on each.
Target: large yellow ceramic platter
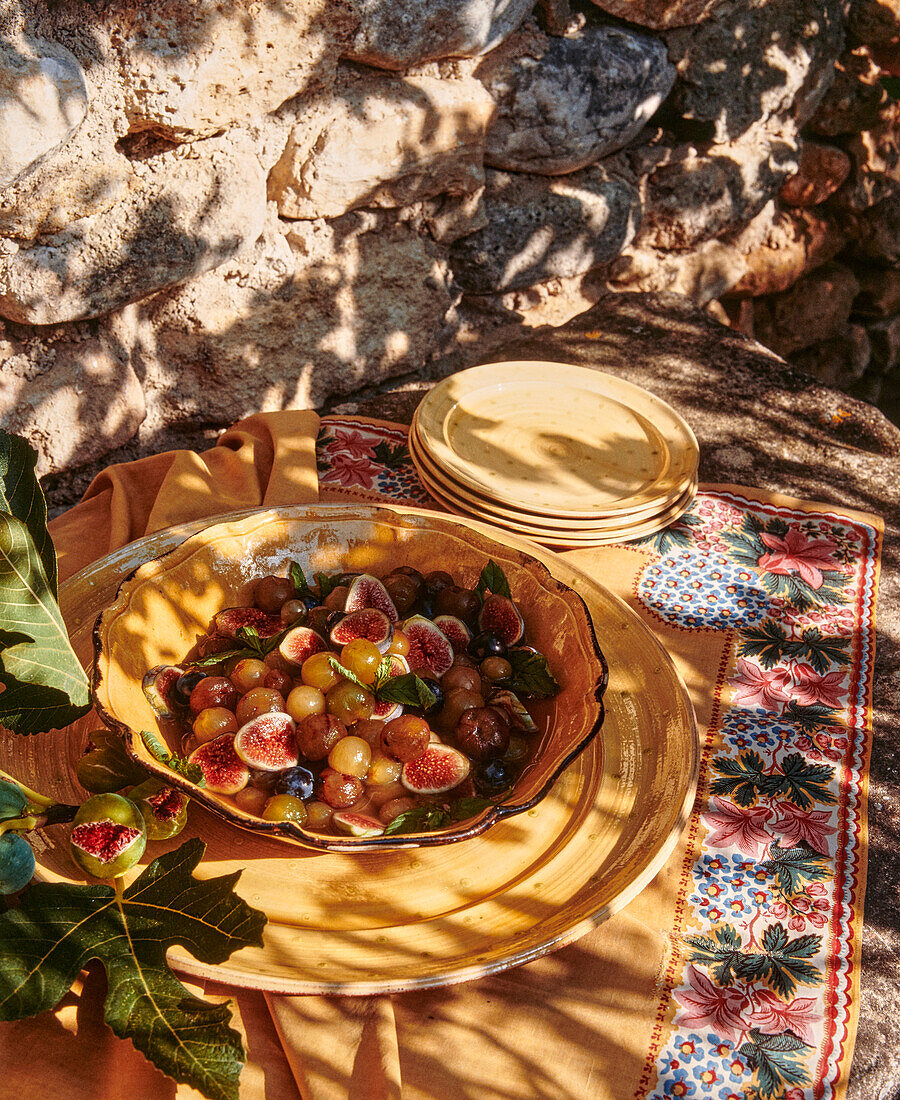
(531, 523)
(407, 919)
(556, 439)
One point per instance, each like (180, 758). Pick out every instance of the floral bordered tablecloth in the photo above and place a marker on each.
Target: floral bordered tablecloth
(760, 1000)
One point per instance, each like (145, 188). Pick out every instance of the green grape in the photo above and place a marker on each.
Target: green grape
(16, 863)
(108, 836)
(12, 800)
(163, 808)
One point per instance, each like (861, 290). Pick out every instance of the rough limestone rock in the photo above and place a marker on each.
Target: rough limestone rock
(839, 361)
(398, 34)
(694, 193)
(43, 98)
(702, 274)
(84, 176)
(815, 308)
(74, 396)
(540, 228)
(854, 100)
(660, 15)
(875, 22)
(381, 140)
(327, 309)
(563, 103)
(746, 63)
(875, 155)
(878, 232)
(781, 246)
(194, 209)
(821, 171)
(879, 294)
(191, 68)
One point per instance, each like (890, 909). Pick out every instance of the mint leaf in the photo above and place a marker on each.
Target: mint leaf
(249, 635)
(493, 579)
(347, 674)
(220, 658)
(531, 674)
(159, 750)
(407, 689)
(59, 927)
(384, 672)
(298, 578)
(463, 808)
(420, 819)
(326, 585)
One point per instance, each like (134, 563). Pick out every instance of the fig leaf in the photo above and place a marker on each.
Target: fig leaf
(43, 684)
(531, 674)
(407, 689)
(493, 579)
(155, 747)
(59, 927)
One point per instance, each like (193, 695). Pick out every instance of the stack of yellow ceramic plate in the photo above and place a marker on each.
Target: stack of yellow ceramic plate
(563, 455)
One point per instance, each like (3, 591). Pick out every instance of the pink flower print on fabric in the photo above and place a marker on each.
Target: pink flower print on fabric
(351, 471)
(809, 687)
(795, 553)
(795, 825)
(707, 1005)
(351, 442)
(773, 1016)
(738, 827)
(755, 685)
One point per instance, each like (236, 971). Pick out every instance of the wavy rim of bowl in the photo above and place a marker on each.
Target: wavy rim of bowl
(287, 830)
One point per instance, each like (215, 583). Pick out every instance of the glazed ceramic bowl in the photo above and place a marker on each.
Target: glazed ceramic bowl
(160, 611)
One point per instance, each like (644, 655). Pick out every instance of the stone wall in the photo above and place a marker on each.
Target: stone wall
(210, 207)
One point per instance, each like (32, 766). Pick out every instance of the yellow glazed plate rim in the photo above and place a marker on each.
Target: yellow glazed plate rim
(490, 473)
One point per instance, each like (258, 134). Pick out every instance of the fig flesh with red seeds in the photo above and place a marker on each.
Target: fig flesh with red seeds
(223, 770)
(455, 631)
(108, 835)
(440, 768)
(482, 733)
(230, 621)
(163, 808)
(299, 643)
(428, 646)
(369, 623)
(500, 616)
(367, 591)
(159, 689)
(268, 742)
(356, 824)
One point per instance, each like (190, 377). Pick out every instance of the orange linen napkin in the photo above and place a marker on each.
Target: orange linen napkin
(594, 1019)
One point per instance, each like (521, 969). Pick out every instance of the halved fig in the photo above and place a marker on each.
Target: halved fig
(501, 617)
(159, 686)
(428, 646)
(299, 643)
(164, 809)
(519, 717)
(367, 591)
(230, 621)
(455, 631)
(356, 824)
(385, 711)
(368, 623)
(223, 769)
(268, 742)
(440, 768)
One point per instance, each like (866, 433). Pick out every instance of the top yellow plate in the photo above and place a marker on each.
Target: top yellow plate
(556, 439)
